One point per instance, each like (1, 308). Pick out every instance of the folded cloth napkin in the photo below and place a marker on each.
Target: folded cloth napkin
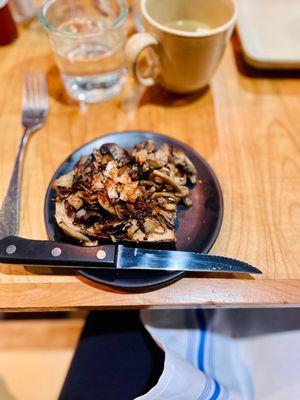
(226, 354)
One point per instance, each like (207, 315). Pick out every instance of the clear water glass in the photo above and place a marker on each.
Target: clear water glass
(137, 15)
(88, 39)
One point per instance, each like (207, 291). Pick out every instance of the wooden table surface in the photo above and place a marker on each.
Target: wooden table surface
(247, 126)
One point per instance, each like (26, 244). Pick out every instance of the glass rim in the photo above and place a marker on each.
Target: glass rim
(49, 27)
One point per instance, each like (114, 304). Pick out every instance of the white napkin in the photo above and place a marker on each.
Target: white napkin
(226, 354)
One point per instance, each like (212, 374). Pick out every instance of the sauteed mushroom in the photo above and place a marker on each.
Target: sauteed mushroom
(112, 194)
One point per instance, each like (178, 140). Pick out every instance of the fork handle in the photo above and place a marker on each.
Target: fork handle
(10, 209)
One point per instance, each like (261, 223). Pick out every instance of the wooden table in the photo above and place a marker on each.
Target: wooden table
(246, 125)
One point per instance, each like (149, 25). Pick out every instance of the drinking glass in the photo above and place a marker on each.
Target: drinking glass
(88, 39)
(137, 16)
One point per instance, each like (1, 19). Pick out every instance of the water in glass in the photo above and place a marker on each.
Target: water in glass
(90, 54)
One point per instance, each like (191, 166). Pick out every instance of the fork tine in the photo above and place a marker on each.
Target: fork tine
(44, 92)
(39, 92)
(35, 94)
(32, 89)
(37, 87)
(35, 90)
(26, 89)
(32, 92)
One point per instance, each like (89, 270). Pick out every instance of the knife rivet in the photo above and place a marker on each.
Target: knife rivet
(56, 252)
(11, 249)
(101, 254)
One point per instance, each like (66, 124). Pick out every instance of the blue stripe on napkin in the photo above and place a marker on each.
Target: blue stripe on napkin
(203, 333)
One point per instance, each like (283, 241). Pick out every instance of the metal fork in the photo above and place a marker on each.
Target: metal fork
(34, 111)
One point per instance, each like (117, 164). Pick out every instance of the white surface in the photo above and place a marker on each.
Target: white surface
(270, 32)
(226, 354)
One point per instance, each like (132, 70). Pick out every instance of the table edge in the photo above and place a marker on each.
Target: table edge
(189, 292)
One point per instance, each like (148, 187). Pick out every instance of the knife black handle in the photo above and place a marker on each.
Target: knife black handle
(16, 250)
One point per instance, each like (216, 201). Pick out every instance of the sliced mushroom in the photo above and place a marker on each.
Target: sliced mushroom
(147, 183)
(112, 189)
(141, 156)
(168, 217)
(164, 194)
(104, 202)
(111, 171)
(124, 177)
(138, 236)
(97, 182)
(180, 189)
(66, 223)
(129, 192)
(150, 225)
(75, 201)
(118, 154)
(180, 159)
(149, 158)
(97, 155)
(82, 161)
(170, 206)
(120, 211)
(180, 180)
(132, 229)
(109, 226)
(65, 181)
(167, 236)
(163, 154)
(70, 231)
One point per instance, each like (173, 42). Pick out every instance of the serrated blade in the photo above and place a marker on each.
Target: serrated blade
(166, 260)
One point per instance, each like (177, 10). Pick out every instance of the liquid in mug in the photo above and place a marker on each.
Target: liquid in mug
(189, 25)
(92, 67)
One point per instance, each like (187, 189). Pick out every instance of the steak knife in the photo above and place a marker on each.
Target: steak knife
(16, 250)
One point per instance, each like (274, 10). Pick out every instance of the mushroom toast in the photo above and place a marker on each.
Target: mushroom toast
(122, 196)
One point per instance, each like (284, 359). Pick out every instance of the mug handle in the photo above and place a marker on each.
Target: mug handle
(135, 45)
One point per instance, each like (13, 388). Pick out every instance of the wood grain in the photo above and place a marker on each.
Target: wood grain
(35, 357)
(189, 293)
(42, 334)
(246, 125)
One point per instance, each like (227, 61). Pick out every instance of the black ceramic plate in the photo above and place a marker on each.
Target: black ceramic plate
(197, 227)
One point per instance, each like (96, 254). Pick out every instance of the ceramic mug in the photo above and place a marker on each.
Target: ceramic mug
(187, 59)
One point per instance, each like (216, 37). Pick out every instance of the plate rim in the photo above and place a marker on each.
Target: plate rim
(174, 276)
